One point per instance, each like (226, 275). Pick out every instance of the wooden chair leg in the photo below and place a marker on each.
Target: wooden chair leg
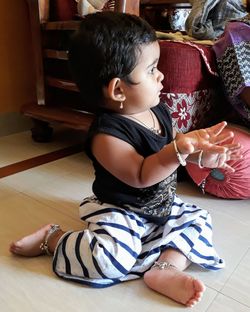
(41, 132)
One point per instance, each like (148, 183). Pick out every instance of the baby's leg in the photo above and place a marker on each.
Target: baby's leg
(29, 245)
(170, 281)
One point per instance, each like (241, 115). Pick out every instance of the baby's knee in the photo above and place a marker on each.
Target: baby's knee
(96, 256)
(110, 266)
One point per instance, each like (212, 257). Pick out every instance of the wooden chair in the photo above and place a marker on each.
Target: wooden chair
(44, 112)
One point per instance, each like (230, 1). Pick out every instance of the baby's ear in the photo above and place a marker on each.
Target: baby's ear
(115, 91)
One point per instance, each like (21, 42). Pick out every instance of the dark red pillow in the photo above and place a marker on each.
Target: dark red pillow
(190, 84)
(223, 183)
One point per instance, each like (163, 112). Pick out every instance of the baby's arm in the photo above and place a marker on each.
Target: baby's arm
(125, 163)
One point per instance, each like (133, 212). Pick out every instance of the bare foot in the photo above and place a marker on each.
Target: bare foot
(176, 285)
(29, 246)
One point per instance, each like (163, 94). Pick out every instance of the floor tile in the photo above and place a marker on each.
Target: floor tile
(5, 190)
(20, 146)
(61, 184)
(225, 304)
(45, 174)
(238, 285)
(30, 284)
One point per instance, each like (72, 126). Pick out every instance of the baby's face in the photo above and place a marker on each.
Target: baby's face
(145, 93)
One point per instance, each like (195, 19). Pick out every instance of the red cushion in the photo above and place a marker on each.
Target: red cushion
(223, 183)
(190, 83)
(186, 66)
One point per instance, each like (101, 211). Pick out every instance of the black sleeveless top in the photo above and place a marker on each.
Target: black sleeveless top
(153, 202)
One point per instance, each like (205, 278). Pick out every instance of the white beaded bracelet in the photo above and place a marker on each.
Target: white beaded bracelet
(179, 157)
(200, 159)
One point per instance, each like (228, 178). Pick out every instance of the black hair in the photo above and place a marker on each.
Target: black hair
(107, 45)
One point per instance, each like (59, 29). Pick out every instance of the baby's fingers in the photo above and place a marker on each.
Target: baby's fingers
(216, 129)
(212, 148)
(235, 155)
(233, 146)
(223, 137)
(227, 167)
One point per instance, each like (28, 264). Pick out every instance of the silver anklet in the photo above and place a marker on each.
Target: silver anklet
(44, 246)
(163, 265)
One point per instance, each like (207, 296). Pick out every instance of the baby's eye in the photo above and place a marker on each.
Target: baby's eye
(152, 70)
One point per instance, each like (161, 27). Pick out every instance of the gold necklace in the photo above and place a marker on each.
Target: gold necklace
(153, 128)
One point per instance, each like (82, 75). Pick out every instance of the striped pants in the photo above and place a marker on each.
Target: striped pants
(118, 245)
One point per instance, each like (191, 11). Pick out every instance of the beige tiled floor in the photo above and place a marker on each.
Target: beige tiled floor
(20, 146)
(52, 192)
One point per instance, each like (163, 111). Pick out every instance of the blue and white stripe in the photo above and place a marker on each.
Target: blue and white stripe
(118, 245)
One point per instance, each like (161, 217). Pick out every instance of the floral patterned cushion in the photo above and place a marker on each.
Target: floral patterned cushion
(190, 84)
(188, 109)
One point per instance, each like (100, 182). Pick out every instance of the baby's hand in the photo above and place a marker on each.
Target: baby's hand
(218, 160)
(207, 140)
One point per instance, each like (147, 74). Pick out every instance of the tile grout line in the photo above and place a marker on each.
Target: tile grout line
(220, 291)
